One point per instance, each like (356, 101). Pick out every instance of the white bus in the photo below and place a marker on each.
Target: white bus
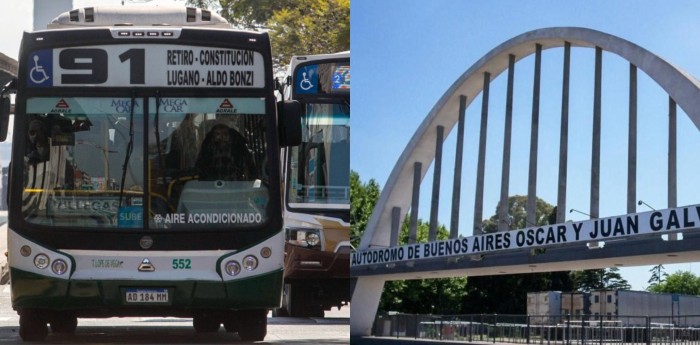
(317, 187)
(145, 176)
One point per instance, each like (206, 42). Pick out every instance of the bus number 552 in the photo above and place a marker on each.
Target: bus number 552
(182, 264)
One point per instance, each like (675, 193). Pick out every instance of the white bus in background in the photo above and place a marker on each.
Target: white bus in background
(317, 187)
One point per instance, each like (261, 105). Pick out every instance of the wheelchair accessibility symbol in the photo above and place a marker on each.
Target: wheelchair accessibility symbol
(307, 80)
(37, 73)
(305, 83)
(40, 68)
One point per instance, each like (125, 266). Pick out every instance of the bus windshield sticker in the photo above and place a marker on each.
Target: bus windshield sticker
(40, 69)
(75, 107)
(230, 105)
(210, 218)
(130, 217)
(341, 78)
(74, 205)
(125, 65)
(307, 79)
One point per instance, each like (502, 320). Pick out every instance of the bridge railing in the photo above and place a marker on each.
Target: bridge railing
(536, 329)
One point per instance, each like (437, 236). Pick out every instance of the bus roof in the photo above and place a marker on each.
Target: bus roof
(138, 16)
(303, 58)
(298, 59)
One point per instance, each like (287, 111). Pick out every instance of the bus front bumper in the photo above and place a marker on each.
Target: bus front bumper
(303, 263)
(107, 298)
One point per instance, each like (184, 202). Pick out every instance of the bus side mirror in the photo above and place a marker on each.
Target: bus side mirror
(278, 86)
(289, 122)
(5, 108)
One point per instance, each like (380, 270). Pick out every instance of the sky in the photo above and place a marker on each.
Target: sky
(407, 53)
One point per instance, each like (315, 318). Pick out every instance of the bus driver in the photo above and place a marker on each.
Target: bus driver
(225, 156)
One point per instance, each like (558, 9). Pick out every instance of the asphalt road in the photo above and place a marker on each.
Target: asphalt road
(333, 329)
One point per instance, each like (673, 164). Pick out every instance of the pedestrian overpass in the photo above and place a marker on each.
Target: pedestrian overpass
(8, 69)
(631, 239)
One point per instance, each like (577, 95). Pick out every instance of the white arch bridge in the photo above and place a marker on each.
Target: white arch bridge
(631, 239)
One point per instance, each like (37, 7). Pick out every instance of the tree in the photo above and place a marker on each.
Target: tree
(657, 276)
(406, 296)
(310, 27)
(251, 14)
(296, 27)
(682, 282)
(363, 197)
(202, 3)
(517, 213)
(599, 279)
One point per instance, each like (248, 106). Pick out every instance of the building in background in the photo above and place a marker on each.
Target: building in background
(574, 303)
(45, 11)
(546, 304)
(626, 307)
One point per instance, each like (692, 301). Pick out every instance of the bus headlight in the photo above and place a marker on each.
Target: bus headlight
(313, 239)
(303, 237)
(59, 267)
(233, 268)
(25, 251)
(41, 261)
(250, 262)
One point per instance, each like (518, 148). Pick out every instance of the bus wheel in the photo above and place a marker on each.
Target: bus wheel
(32, 325)
(64, 324)
(295, 300)
(252, 325)
(206, 324)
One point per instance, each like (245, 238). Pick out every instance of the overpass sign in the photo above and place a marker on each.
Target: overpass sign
(635, 225)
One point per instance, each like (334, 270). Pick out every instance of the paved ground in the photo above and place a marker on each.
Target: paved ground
(408, 341)
(334, 329)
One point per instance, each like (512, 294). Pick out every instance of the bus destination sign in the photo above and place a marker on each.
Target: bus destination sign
(126, 65)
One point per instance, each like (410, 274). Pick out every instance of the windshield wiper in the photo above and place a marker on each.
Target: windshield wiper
(129, 148)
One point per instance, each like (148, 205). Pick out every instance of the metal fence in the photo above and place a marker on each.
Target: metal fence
(530, 329)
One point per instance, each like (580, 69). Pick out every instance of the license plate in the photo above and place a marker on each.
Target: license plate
(149, 296)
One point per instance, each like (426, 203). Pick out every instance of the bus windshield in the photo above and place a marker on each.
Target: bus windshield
(319, 171)
(88, 162)
(74, 160)
(213, 154)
